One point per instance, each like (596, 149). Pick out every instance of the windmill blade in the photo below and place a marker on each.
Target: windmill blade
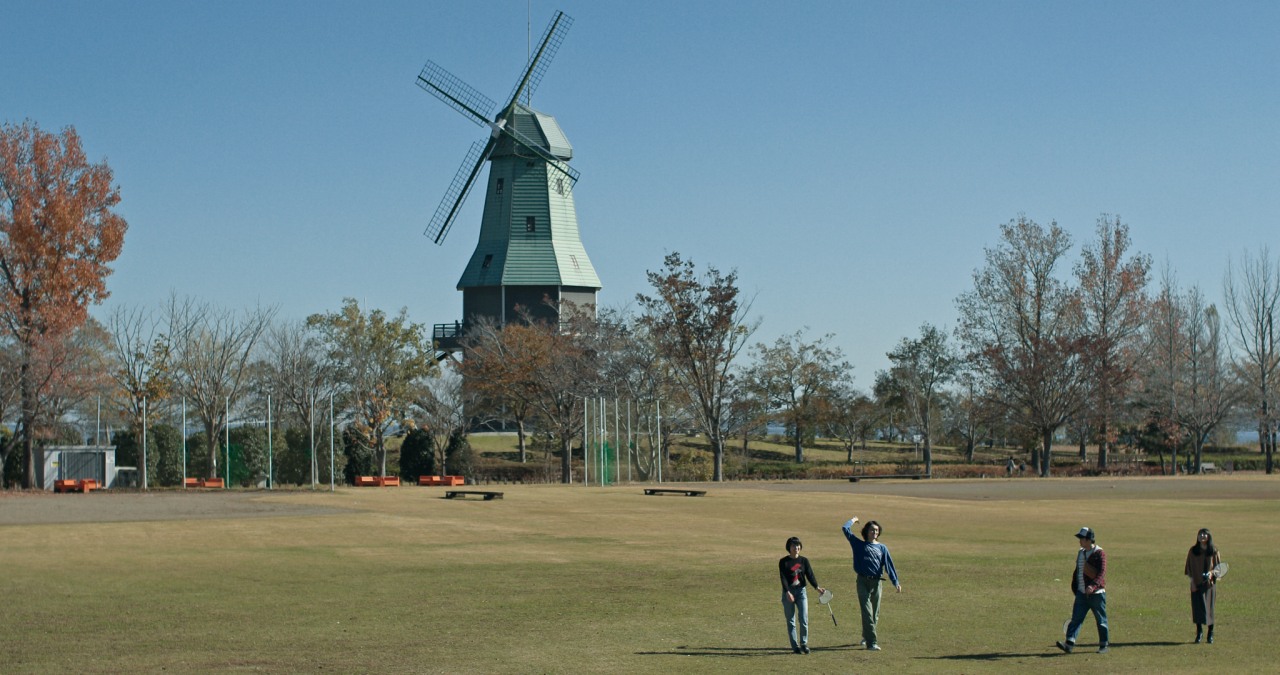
(537, 149)
(458, 189)
(456, 94)
(541, 59)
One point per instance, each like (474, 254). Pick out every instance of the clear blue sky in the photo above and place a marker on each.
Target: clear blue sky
(850, 159)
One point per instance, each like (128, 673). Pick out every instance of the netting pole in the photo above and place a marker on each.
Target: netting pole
(270, 450)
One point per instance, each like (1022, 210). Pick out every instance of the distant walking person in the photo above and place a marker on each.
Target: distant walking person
(1089, 584)
(795, 570)
(1204, 567)
(870, 560)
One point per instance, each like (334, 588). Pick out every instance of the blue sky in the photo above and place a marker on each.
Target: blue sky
(851, 160)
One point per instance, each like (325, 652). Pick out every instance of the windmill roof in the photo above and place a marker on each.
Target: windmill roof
(540, 128)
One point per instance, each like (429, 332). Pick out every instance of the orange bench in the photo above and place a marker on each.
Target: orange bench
(75, 485)
(441, 480)
(212, 483)
(377, 481)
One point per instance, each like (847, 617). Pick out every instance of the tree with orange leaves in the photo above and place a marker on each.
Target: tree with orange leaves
(58, 236)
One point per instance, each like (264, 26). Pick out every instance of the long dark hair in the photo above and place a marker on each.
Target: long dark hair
(1209, 547)
(867, 528)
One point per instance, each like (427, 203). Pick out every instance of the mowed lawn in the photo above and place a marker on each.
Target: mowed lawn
(556, 579)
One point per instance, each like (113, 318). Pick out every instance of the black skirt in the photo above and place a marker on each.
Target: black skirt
(1202, 601)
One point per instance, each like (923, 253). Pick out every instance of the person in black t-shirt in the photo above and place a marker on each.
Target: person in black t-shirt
(795, 571)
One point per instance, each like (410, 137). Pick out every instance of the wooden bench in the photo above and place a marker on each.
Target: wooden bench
(190, 482)
(212, 483)
(389, 481)
(450, 494)
(366, 481)
(441, 480)
(672, 491)
(904, 476)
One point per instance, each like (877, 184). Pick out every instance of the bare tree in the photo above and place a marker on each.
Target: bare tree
(141, 363)
(1163, 369)
(1022, 326)
(300, 375)
(212, 350)
(1210, 391)
(701, 326)
(798, 378)
(1252, 288)
(921, 368)
(440, 408)
(1113, 283)
(852, 417)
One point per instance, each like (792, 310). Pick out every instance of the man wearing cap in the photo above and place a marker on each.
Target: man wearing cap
(1089, 584)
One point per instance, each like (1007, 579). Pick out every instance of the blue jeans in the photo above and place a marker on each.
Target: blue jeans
(1097, 603)
(797, 612)
(869, 602)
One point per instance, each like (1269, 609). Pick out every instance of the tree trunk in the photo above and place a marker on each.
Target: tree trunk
(1046, 456)
(211, 445)
(799, 446)
(928, 457)
(717, 448)
(566, 459)
(381, 448)
(28, 423)
(520, 440)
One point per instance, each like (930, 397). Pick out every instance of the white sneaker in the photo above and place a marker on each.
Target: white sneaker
(873, 648)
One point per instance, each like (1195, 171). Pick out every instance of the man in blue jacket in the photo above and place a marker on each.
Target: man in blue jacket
(870, 561)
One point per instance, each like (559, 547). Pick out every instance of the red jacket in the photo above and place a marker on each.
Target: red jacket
(1095, 572)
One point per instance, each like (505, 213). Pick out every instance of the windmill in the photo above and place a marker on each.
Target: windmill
(529, 249)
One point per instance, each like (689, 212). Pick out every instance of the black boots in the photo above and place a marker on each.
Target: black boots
(1199, 630)
(1209, 638)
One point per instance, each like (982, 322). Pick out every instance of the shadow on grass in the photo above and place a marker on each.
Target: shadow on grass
(738, 652)
(1052, 651)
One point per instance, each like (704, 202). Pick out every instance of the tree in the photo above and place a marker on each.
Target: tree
(379, 359)
(559, 366)
(1113, 293)
(302, 378)
(440, 404)
(797, 379)
(921, 368)
(140, 368)
(700, 326)
(1252, 289)
(495, 369)
(58, 236)
(852, 417)
(1162, 392)
(212, 348)
(1211, 392)
(1022, 327)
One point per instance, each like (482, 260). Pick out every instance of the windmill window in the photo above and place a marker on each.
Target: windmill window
(530, 224)
(499, 187)
(574, 259)
(487, 260)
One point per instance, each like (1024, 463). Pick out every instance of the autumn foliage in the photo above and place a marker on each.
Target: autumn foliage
(58, 234)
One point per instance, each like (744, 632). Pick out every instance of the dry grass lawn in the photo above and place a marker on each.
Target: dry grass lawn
(574, 579)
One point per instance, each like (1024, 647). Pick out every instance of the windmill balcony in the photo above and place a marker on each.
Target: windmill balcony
(448, 336)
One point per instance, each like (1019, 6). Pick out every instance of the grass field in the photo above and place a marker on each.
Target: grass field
(556, 579)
